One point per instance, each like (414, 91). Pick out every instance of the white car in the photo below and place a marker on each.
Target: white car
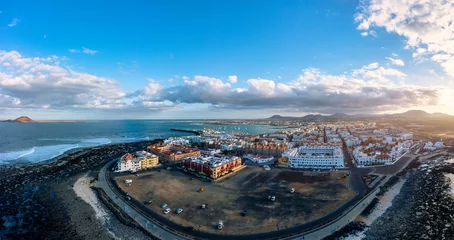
(292, 190)
(167, 211)
(203, 206)
(273, 198)
(179, 210)
(220, 225)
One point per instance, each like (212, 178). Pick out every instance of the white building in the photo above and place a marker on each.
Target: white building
(258, 158)
(431, 147)
(439, 145)
(318, 156)
(128, 162)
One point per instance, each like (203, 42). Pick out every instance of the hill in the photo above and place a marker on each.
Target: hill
(22, 119)
(409, 115)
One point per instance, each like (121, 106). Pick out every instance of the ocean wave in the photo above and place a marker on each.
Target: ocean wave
(95, 141)
(36, 154)
(44, 153)
(14, 155)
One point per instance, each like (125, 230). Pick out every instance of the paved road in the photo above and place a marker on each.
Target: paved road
(152, 227)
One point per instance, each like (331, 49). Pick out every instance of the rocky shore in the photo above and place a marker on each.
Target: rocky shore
(38, 202)
(424, 209)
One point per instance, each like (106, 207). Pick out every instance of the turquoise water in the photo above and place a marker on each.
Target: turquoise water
(35, 142)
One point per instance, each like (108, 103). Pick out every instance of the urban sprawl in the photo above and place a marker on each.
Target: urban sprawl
(310, 146)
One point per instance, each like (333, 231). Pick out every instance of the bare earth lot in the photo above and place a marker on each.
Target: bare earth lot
(316, 195)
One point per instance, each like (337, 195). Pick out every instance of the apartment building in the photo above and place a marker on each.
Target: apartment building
(211, 166)
(315, 156)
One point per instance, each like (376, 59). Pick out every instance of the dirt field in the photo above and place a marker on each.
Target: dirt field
(316, 195)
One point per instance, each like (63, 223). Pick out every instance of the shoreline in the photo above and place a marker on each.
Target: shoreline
(39, 198)
(68, 152)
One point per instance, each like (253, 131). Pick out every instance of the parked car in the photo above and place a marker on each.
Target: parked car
(203, 206)
(148, 202)
(167, 211)
(244, 213)
(179, 210)
(164, 205)
(220, 225)
(273, 198)
(189, 228)
(137, 174)
(292, 190)
(128, 197)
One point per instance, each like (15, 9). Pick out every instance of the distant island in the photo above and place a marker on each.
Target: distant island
(21, 119)
(25, 119)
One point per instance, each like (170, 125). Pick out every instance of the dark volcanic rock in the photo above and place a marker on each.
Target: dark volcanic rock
(424, 209)
(27, 201)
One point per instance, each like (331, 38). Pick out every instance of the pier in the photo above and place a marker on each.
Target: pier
(196, 132)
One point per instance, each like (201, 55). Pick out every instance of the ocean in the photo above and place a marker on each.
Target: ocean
(36, 142)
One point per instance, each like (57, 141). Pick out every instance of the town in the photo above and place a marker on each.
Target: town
(309, 146)
(315, 161)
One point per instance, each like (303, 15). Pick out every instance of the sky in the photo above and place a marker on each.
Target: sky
(224, 59)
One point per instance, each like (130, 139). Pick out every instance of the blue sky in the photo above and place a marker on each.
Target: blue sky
(150, 54)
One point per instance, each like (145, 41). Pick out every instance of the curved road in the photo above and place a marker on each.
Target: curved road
(150, 226)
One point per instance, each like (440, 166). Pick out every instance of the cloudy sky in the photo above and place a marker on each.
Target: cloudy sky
(224, 59)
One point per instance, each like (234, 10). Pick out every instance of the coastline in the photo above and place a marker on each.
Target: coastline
(31, 192)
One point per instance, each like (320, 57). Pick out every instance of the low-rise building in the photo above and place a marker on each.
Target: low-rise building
(212, 167)
(140, 160)
(147, 160)
(315, 156)
(257, 158)
(173, 153)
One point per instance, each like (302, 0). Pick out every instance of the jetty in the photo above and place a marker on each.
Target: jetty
(196, 132)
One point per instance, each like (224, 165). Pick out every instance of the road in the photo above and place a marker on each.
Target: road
(149, 225)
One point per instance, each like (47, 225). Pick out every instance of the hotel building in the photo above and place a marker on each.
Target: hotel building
(315, 156)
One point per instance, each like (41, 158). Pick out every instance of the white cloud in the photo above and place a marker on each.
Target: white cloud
(233, 79)
(37, 82)
(397, 62)
(45, 83)
(152, 88)
(73, 50)
(427, 25)
(89, 51)
(394, 54)
(373, 33)
(378, 73)
(14, 22)
(364, 34)
(364, 89)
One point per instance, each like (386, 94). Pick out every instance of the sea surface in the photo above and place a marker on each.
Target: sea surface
(35, 142)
